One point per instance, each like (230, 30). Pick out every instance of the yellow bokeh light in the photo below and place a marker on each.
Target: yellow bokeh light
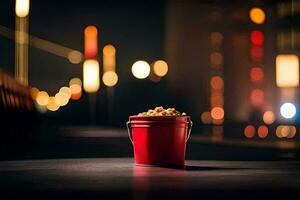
(257, 15)
(66, 91)
(287, 70)
(75, 81)
(52, 105)
(42, 98)
(22, 8)
(61, 99)
(75, 57)
(34, 92)
(110, 78)
(160, 68)
(140, 69)
(91, 73)
(109, 58)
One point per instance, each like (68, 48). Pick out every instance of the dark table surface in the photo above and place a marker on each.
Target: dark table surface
(119, 178)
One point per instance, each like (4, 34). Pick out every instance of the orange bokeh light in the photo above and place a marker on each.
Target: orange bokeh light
(91, 42)
(216, 59)
(269, 117)
(257, 97)
(262, 131)
(217, 83)
(217, 113)
(249, 131)
(206, 118)
(257, 75)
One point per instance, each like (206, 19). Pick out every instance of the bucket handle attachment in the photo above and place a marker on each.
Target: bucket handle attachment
(187, 138)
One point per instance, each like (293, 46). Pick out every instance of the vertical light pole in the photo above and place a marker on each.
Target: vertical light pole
(21, 37)
(110, 77)
(91, 69)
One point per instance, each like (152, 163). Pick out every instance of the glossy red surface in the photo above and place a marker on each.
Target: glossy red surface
(159, 141)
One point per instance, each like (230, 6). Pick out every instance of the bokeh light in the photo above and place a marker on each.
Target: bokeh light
(75, 81)
(75, 89)
(288, 110)
(160, 68)
(217, 113)
(287, 70)
(256, 75)
(109, 58)
(262, 131)
(206, 118)
(140, 69)
(269, 117)
(66, 91)
(75, 57)
(249, 131)
(284, 131)
(91, 42)
(257, 37)
(91, 76)
(257, 97)
(52, 106)
(22, 8)
(34, 92)
(217, 83)
(42, 98)
(257, 15)
(61, 99)
(110, 78)
(216, 59)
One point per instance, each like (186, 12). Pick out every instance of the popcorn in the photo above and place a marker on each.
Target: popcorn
(160, 111)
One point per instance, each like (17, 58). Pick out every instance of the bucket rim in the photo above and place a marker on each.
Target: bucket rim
(160, 118)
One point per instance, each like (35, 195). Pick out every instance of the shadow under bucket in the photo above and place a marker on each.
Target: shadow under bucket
(159, 140)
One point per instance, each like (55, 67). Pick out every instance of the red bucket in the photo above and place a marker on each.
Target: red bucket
(159, 140)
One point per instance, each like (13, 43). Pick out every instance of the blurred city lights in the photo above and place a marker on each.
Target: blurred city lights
(284, 131)
(256, 75)
(269, 117)
(75, 57)
(217, 83)
(257, 37)
(22, 8)
(52, 106)
(75, 89)
(91, 74)
(257, 15)
(257, 97)
(109, 58)
(262, 131)
(140, 69)
(160, 68)
(34, 92)
(287, 70)
(91, 42)
(110, 78)
(206, 118)
(216, 58)
(249, 131)
(217, 113)
(66, 91)
(61, 99)
(288, 110)
(42, 98)
(75, 81)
